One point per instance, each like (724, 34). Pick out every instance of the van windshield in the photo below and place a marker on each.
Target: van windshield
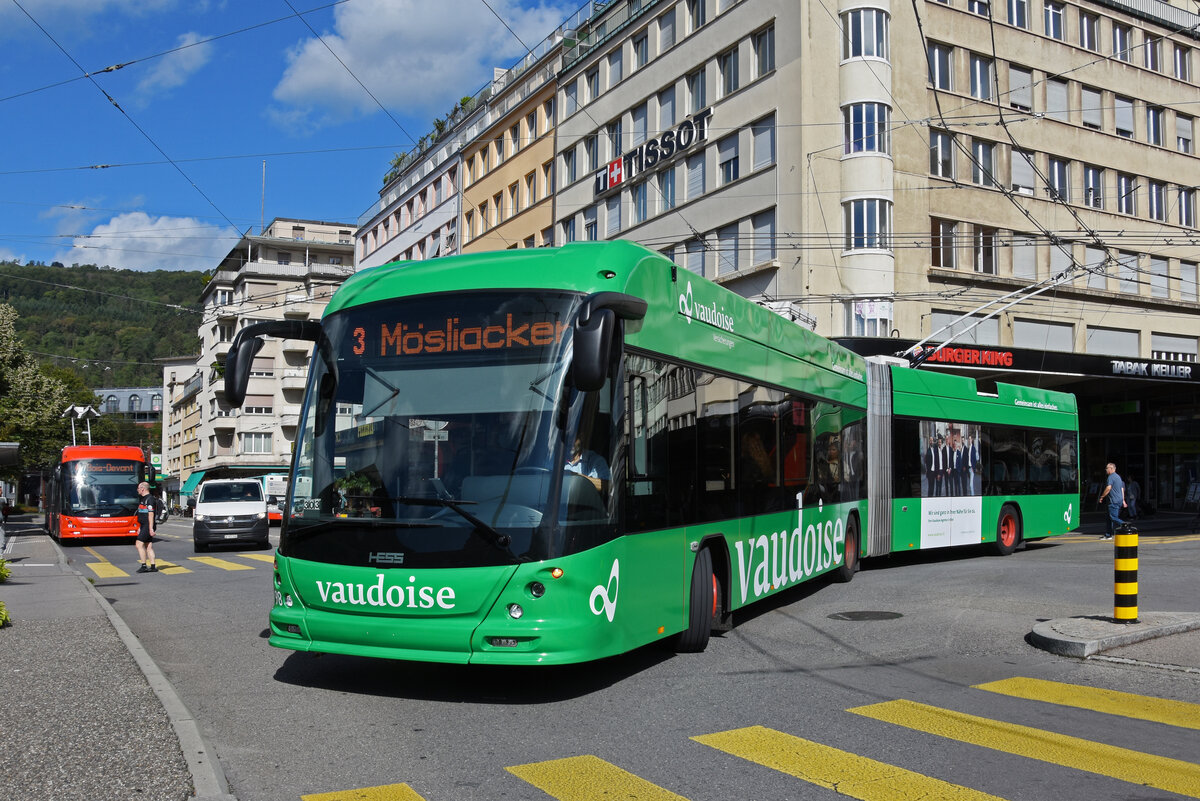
(223, 493)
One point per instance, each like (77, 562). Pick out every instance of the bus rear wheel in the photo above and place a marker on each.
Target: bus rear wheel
(849, 564)
(1008, 530)
(705, 593)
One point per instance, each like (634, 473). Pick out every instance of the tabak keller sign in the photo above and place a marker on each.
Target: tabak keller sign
(662, 148)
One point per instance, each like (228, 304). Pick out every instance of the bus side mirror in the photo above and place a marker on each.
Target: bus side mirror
(247, 342)
(593, 347)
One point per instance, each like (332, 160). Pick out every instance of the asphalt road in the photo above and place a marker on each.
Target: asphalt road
(922, 629)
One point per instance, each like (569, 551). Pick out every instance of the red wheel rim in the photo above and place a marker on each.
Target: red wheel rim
(1008, 531)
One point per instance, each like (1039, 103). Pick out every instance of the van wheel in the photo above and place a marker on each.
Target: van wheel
(702, 609)
(199, 547)
(850, 562)
(1008, 531)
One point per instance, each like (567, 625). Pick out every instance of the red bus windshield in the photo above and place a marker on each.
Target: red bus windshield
(101, 487)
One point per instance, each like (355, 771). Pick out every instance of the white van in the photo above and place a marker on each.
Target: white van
(229, 510)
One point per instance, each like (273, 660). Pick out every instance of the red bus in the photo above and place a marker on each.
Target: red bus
(92, 492)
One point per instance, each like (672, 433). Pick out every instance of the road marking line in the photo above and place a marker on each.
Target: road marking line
(589, 778)
(1111, 702)
(170, 567)
(847, 773)
(103, 568)
(224, 564)
(1172, 775)
(261, 557)
(384, 792)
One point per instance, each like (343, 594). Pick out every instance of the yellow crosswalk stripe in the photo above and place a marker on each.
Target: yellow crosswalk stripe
(384, 792)
(170, 567)
(1172, 775)
(1111, 702)
(106, 569)
(589, 778)
(849, 774)
(224, 564)
(261, 557)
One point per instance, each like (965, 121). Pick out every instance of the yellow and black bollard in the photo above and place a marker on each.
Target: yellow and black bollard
(1125, 569)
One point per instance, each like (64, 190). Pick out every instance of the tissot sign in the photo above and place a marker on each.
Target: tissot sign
(666, 145)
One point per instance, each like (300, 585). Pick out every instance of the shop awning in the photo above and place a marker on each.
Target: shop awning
(193, 480)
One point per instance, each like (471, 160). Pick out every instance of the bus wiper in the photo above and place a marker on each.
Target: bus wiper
(489, 534)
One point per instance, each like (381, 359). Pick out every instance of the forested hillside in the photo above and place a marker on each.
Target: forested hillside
(106, 325)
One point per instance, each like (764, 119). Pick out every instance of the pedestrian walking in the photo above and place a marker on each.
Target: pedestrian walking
(1114, 494)
(145, 537)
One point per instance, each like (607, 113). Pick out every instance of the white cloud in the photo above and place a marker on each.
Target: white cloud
(413, 56)
(172, 71)
(137, 241)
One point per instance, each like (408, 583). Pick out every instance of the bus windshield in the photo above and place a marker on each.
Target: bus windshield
(435, 433)
(101, 487)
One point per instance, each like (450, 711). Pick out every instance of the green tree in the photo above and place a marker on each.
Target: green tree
(31, 402)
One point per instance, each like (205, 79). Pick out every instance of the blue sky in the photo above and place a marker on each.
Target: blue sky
(215, 88)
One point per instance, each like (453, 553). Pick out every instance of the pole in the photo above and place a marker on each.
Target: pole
(1125, 567)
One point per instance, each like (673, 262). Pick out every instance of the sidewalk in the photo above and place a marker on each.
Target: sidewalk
(86, 713)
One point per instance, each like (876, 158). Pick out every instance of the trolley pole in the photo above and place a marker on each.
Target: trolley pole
(1125, 569)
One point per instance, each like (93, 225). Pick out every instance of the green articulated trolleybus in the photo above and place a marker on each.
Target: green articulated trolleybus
(556, 455)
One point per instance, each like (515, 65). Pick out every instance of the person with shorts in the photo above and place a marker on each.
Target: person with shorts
(145, 537)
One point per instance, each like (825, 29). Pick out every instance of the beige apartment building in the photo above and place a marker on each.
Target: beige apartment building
(289, 271)
(886, 173)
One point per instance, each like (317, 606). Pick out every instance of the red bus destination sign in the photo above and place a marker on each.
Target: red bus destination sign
(668, 144)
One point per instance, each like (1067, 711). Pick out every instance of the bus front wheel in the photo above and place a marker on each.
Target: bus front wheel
(1008, 530)
(849, 564)
(705, 592)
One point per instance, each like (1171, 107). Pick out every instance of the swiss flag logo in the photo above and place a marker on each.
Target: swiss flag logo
(616, 172)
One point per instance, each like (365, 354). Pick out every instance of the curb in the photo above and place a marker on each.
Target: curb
(208, 780)
(1086, 635)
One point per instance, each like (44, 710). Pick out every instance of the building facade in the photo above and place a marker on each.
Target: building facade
(1019, 176)
(287, 272)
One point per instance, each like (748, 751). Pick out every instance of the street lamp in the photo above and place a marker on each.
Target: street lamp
(85, 413)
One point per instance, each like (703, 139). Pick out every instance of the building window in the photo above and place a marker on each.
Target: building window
(612, 214)
(727, 159)
(865, 33)
(1058, 182)
(941, 154)
(1121, 36)
(697, 97)
(1018, 13)
(641, 51)
(943, 243)
(1024, 256)
(1187, 280)
(1187, 207)
(983, 248)
(612, 134)
(865, 128)
(697, 14)
(981, 7)
(983, 162)
(639, 202)
(727, 67)
(727, 250)
(571, 98)
(1053, 18)
(764, 236)
(1095, 261)
(1056, 99)
(256, 443)
(1183, 133)
(283, 257)
(1044, 335)
(1092, 108)
(1127, 273)
(695, 176)
(666, 108)
(764, 52)
(592, 80)
(981, 77)
(1093, 186)
(1020, 88)
(666, 31)
(1158, 278)
(569, 173)
(1089, 31)
(1152, 53)
(1183, 62)
(763, 133)
(868, 224)
(869, 318)
(1154, 125)
(616, 67)
(1126, 193)
(694, 258)
(1123, 111)
(591, 150)
(640, 125)
(568, 229)
(941, 74)
(1156, 192)
(135, 400)
(666, 188)
(591, 231)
